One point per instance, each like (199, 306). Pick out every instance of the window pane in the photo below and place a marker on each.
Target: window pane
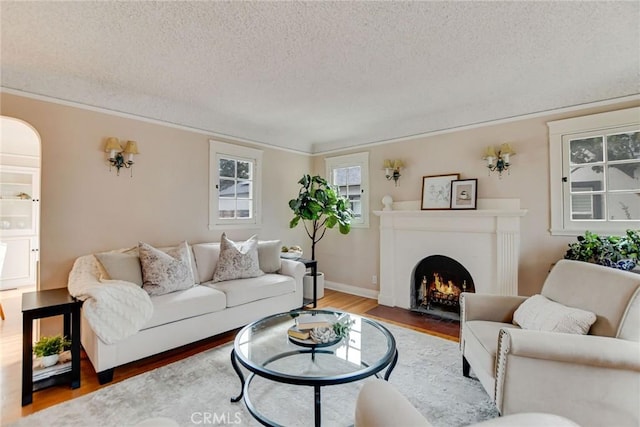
(587, 178)
(244, 170)
(624, 206)
(244, 208)
(623, 146)
(226, 208)
(587, 150)
(587, 206)
(227, 188)
(227, 168)
(243, 190)
(624, 176)
(354, 176)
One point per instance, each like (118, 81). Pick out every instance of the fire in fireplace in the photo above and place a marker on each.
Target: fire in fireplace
(438, 283)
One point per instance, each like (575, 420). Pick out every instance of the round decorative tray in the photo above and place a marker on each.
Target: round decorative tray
(290, 255)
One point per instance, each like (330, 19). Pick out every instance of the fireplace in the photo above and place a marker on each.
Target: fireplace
(438, 281)
(485, 241)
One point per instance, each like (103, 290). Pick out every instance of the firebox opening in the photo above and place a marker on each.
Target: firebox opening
(438, 282)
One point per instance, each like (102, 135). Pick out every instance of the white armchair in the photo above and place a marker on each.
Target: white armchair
(591, 379)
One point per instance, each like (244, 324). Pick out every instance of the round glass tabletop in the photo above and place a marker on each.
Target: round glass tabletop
(264, 347)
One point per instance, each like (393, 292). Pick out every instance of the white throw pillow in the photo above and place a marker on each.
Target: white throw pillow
(164, 272)
(122, 266)
(269, 255)
(541, 314)
(237, 260)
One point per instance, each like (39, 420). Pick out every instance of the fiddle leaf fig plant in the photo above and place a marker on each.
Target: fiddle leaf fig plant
(319, 206)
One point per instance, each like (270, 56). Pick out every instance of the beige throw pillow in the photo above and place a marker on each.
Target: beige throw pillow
(237, 260)
(165, 272)
(269, 255)
(541, 314)
(122, 266)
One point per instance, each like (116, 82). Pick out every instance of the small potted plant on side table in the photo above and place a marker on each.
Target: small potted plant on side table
(49, 349)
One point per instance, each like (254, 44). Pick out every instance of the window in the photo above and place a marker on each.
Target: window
(595, 173)
(350, 174)
(234, 173)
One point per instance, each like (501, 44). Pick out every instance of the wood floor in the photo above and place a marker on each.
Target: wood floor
(11, 351)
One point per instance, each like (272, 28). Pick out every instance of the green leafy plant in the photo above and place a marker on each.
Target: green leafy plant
(320, 207)
(605, 249)
(343, 326)
(48, 346)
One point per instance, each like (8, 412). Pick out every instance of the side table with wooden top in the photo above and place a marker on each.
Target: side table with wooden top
(40, 304)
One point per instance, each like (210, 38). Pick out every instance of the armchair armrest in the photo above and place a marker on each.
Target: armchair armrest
(294, 269)
(494, 308)
(592, 380)
(591, 350)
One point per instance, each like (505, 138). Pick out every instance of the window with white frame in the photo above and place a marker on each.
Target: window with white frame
(234, 186)
(595, 173)
(350, 173)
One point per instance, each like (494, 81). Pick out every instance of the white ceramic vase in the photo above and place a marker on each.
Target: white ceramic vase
(50, 360)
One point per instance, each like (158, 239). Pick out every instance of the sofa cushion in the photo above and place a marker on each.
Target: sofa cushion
(164, 272)
(206, 255)
(122, 266)
(237, 260)
(541, 314)
(242, 291)
(269, 255)
(481, 339)
(191, 302)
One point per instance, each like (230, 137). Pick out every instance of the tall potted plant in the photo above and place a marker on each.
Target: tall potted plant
(319, 206)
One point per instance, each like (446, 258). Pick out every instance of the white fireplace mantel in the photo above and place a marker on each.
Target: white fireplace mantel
(485, 241)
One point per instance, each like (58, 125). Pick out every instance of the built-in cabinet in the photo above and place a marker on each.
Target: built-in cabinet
(19, 222)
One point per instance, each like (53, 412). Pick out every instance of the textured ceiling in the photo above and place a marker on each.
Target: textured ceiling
(316, 76)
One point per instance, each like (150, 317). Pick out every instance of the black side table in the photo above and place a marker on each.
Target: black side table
(313, 265)
(36, 305)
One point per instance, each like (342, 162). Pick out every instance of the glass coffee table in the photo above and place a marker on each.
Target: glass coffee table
(265, 349)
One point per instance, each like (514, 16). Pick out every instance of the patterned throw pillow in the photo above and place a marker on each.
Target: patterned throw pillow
(165, 272)
(237, 260)
(541, 314)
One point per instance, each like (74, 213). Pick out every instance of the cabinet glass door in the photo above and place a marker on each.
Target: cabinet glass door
(18, 201)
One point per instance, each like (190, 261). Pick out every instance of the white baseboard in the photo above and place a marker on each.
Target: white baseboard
(350, 289)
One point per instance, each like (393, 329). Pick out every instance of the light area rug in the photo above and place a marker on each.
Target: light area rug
(197, 391)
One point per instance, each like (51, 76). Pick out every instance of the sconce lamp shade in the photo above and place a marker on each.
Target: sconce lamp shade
(506, 149)
(490, 152)
(131, 148)
(397, 164)
(387, 164)
(393, 164)
(112, 144)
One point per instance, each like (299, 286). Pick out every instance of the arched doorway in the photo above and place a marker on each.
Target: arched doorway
(20, 159)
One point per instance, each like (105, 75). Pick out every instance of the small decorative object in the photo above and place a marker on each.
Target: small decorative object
(498, 161)
(464, 194)
(323, 335)
(49, 349)
(342, 326)
(387, 201)
(392, 170)
(620, 252)
(23, 196)
(436, 191)
(291, 252)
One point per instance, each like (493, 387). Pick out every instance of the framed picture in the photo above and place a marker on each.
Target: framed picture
(436, 191)
(464, 194)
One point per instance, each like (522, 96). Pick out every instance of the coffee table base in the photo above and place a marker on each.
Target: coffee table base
(244, 385)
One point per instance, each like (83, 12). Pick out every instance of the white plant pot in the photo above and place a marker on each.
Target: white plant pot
(49, 360)
(308, 286)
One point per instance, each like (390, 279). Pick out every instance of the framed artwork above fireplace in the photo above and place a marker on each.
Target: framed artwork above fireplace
(436, 191)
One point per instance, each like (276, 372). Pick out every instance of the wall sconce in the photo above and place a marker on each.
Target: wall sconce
(500, 161)
(392, 169)
(116, 157)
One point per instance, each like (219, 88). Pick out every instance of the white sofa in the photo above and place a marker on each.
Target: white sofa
(183, 317)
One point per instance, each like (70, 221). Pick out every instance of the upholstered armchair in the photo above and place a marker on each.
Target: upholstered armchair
(592, 379)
